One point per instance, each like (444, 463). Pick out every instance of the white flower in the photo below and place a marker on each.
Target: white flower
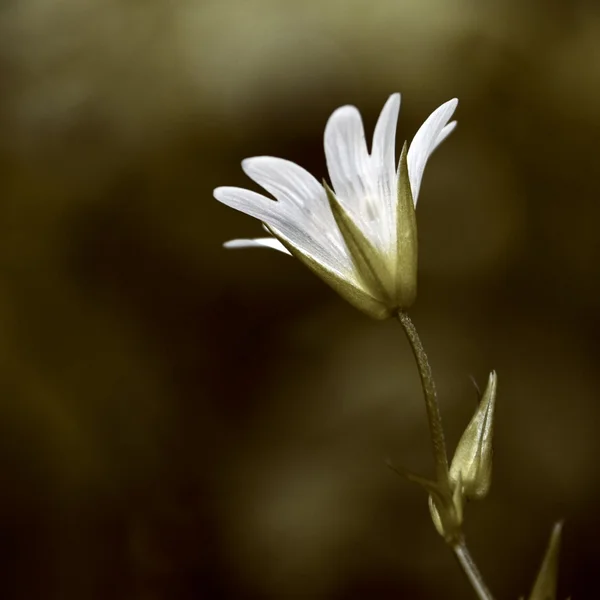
(359, 237)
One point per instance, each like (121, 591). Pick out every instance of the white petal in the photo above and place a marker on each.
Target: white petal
(269, 242)
(383, 170)
(346, 154)
(302, 197)
(253, 204)
(320, 244)
(275, 214)
(430, 134)
(287, 181)
(445, 133)
(384, 139)
(363, 184)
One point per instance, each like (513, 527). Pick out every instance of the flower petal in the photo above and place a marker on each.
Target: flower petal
(431, 133)
(383, 169)
(253, 204)
(383, 152)
(305, 203)
(286, 181)
(346, 153)
(320, 246)
(268, 242)
(445, 133)
(365, 184)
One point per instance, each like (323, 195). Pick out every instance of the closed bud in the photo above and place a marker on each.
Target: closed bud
(544, 587)
(471, 466)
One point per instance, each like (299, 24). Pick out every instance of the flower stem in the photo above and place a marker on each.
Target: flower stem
(471, 571)
(432, 407)
(438, 443)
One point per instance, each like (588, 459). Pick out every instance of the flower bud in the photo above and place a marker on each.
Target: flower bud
(544, 587)
(472, 462)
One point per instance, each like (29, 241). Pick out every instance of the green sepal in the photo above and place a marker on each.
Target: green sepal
(447, 513)
(429, 485)
(472, 461)
(545, 584)
(406, 236)
(370, 264)
(445, 509)
(350, 291)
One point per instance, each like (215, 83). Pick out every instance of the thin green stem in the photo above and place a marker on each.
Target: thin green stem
(438, 443)
(434, 416)
(471, 571)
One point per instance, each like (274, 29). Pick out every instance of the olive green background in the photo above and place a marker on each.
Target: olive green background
(178, 421)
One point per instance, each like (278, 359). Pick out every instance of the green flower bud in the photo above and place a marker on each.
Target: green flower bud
(544, 587)
(472, 462)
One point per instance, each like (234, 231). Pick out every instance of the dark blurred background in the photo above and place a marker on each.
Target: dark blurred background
(178, 421)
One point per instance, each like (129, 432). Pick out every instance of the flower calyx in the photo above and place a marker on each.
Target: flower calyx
(445, 504)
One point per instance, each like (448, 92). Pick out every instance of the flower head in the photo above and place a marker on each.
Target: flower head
(360, 236)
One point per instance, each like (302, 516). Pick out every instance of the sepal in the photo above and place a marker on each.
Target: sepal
(447, 513)
(406, 236)
(373, 267)
(349, 290)
(445, 505)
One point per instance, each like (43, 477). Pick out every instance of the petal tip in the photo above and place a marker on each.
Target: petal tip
(392, 105)
(453, 103)
(450, 127)
(220, 192)
(250, 162)
(395, 98)
(253, 164)
(343, 113)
